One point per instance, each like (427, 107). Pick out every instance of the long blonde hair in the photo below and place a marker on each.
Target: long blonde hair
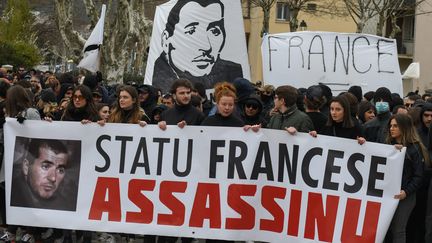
(117, 114)
(48, 108)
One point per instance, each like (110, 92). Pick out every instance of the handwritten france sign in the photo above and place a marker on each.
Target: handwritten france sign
(338, 60)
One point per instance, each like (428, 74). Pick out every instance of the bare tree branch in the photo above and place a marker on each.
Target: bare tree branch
(361, 11)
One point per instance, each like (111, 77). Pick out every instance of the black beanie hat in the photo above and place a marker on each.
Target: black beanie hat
(384, 94)
(357, 92)
(326, 91)
(47, 95)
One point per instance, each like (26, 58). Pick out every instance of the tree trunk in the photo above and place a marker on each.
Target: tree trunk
(129, 32)
(395, 27)
(73, 41)
(126, 31)
(380, 25)
(361, 24)
(266, 18)
(293, 23)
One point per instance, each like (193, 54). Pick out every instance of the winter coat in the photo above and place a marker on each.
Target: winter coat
(412, 175)
(178, 113)
(221, 121)
(291, 118)
(375, 130)
(337, 130)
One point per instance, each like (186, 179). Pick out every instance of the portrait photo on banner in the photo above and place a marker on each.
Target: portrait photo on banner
(45, 173)
(199, 40)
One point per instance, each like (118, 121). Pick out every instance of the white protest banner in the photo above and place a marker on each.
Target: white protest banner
(339, 60)
(201, 40)
(201, 182)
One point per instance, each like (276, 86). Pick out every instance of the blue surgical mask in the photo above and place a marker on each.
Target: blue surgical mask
(382, 107)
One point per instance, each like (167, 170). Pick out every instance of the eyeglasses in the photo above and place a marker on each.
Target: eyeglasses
(252, 106)
(78, 97)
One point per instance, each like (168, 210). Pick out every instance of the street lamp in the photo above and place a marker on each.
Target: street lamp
(303, 25)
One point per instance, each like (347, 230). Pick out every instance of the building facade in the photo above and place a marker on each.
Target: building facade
(422, 48)
(413, 41)
(278, 23)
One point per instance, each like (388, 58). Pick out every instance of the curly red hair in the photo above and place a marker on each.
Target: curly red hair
(224, 89)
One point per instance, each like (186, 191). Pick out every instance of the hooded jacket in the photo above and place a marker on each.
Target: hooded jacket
(422, 129)
(256, 119)
(151, 101)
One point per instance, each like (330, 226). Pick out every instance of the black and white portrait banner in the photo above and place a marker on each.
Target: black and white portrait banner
(200, 40)
(200, 182)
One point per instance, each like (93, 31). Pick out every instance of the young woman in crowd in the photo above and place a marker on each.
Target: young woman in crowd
(53, 83)
(47, 104)
(402, 133)
(340, 122)
(103, 111)
(18, 104)
(366, 112)
(225, 95)
(127, 108)
(81, 108)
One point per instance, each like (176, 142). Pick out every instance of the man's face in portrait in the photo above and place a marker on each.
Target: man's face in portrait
(45, 174)
(197, 39)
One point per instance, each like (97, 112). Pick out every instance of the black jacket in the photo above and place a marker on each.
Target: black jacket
(412, 175)
(189, 113)
(375, 130)
(164, 75)
(218, 120)
(342, 132)
(319, 120)
(79, 114)
(151, 102)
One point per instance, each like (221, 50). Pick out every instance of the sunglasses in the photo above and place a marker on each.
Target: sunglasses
(78, 97)
(252, 106)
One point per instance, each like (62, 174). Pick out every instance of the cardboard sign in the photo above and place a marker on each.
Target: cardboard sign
(339, 60)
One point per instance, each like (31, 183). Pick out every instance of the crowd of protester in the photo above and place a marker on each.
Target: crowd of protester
(376, 116)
